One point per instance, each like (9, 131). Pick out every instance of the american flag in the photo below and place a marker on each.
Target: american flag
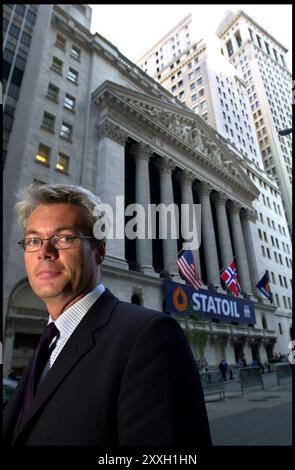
(188, 270)
(230, 277)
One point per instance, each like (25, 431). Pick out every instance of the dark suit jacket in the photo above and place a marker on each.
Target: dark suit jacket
(126, 377)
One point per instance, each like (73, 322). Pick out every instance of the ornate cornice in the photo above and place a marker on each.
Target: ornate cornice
(178, 126)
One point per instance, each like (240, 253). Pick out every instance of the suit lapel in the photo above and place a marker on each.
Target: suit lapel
(80, 342)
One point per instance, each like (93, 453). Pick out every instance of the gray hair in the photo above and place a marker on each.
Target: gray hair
(36, 194)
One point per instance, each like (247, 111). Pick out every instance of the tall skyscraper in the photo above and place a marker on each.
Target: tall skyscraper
(18, 27)
(260, 59)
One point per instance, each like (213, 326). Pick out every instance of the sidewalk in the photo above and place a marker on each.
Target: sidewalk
(256, 417)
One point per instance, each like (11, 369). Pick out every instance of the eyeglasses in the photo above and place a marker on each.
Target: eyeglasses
(59, 242)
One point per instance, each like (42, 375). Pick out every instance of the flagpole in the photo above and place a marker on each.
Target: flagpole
(250, 285)
(222, 269)
(165, 267)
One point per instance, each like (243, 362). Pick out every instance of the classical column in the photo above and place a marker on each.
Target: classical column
(240, 249)
(247, 220)
(186, 179)
(208, 235)
(226, 251)
(110, 181)
(144, 248)
(170, 249)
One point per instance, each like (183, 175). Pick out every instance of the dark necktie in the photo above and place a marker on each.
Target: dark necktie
(39, 360)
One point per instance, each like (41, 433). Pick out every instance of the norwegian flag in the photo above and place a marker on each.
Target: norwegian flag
(230, 277)
(188, 270)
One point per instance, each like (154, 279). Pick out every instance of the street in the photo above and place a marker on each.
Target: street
(258, 417)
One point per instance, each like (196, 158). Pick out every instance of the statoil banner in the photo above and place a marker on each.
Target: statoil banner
(181, 299)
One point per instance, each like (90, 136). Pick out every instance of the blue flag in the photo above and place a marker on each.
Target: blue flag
(263, 286)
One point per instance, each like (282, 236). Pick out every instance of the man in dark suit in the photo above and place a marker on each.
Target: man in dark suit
(117, 374)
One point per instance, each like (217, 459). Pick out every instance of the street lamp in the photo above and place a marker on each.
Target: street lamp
(285, 132)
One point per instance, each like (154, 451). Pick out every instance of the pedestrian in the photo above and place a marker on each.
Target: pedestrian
(222, 369)
(225, 367)
(115, 374)
(205, 365)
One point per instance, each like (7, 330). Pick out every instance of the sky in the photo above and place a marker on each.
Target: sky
(134, 29)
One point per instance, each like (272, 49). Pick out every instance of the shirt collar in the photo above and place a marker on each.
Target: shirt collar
(71, 317)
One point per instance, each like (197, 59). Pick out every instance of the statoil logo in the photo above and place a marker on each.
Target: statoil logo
(180, 300)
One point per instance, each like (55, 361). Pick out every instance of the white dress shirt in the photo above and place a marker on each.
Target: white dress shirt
(68, 321)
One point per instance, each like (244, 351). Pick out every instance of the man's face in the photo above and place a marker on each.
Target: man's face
(59, 275)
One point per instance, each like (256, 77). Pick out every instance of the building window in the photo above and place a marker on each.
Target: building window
(48, 122)
(203, 105)
(258, 40)
(20, 9)
(66, 131)
(31, 17)
(69, 102)
(238, 38)
(52, 92)
(73, 75)
(75, 53)
(13, 91)
(280, 329)
(25, 39)
(202, 92)
(62, 163)
(20, 63)
(229, 48)
(263, 250)
(192, 86)
(57, 65)
(14, 31)
(7, 122)
(60, 42)
(194, 98)
(43, 155)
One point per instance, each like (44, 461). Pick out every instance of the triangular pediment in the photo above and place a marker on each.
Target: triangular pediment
(181, 124)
